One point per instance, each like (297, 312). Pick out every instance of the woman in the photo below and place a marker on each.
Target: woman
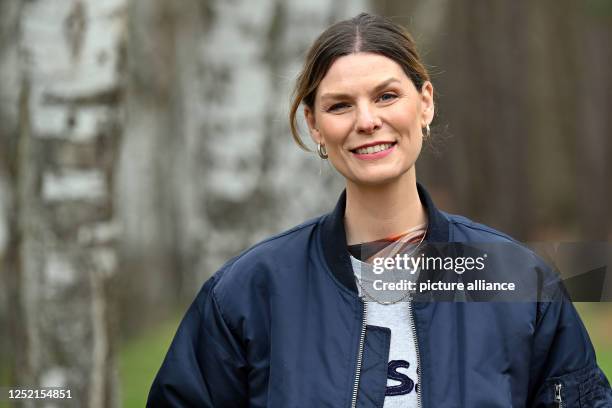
(291, 322)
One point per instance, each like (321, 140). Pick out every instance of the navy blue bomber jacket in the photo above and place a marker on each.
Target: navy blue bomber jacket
(281, 325)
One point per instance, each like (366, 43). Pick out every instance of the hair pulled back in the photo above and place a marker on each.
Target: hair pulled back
(363, 33)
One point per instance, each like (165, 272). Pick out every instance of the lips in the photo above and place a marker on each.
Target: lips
(372, 148)
(374, 151)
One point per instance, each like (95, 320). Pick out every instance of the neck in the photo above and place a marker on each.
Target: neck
(376, 212)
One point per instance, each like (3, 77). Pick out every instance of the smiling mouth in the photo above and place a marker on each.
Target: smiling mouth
(374, 149)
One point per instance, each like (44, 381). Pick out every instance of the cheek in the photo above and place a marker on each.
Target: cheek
(335, 130)
(405, 118)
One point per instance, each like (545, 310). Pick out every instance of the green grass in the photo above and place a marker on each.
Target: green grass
(139, 360)
(597, 318)
(604, 359)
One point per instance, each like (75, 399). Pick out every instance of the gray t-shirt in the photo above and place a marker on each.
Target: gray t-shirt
(402, 376)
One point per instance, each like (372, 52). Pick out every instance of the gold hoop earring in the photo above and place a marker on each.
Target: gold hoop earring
(322, 151)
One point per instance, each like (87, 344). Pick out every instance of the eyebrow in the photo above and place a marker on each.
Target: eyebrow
(377, 88)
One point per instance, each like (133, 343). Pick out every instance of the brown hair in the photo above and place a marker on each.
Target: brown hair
(363, 33)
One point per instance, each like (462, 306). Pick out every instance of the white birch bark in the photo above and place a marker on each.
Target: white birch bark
(258, 182)
(69, 128)
(208, 152)
(9, 102)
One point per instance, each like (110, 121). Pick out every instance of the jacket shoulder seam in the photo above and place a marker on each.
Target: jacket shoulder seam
(475, 226)
(218, 276)
(214, 301)
(293, 230)
(217, 305)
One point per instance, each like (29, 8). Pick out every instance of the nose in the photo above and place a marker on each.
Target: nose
(367, 120)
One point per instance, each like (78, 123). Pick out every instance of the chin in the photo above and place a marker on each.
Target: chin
(377, 179)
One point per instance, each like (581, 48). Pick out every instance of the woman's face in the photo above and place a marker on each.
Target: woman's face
(369, 116)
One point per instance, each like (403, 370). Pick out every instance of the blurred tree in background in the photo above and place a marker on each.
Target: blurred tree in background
(144, 142)
(63, 64)
(207, 167)
(523, 112)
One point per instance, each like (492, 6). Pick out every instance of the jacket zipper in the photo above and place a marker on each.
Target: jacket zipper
(416, 347)
(558, 398)
(360, 355)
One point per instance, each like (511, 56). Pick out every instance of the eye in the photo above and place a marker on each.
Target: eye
(387, 96)
(338, 106)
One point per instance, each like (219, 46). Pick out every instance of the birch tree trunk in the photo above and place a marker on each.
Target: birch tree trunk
(63, 251)
(9, 97)
(209, 153)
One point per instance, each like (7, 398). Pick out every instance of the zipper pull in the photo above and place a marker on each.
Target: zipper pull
(558, 399)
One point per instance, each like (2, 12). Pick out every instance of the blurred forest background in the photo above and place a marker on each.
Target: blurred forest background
(144, 142)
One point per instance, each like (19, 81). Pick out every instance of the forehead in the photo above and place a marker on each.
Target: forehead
(353, 72)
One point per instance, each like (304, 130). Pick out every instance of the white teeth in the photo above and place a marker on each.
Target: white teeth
(374, 149)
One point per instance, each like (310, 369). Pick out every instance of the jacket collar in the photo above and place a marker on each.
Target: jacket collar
(334, 236)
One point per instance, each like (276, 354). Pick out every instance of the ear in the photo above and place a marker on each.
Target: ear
(312, 125)
(427, 103)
